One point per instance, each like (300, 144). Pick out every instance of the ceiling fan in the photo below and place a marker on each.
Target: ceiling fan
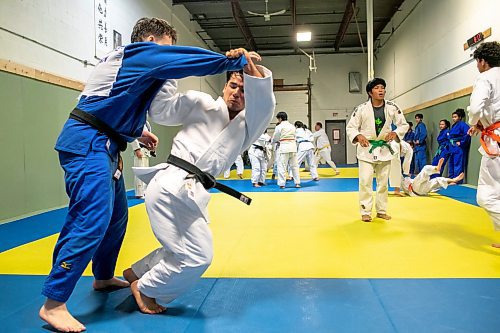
(267, 15)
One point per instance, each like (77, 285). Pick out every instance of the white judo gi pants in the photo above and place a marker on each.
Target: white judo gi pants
(488, 188)
(323, 155)
(366, 170)
(239, 167)
(140, 186)
(186, 250)
(285, 161)
(395, 176)
(309, 158)
(259, 165)
(423, 184)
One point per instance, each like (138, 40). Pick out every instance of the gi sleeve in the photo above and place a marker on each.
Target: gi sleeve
(478, 99)
(135, 145)
(259, 104)
(354, 125)
(399, 121)
(168, 107)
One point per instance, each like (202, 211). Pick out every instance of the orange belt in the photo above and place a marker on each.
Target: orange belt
(490, 132)
(287, 140)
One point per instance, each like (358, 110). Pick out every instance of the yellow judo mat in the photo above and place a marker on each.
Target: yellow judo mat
(322, 172)
(317, 235)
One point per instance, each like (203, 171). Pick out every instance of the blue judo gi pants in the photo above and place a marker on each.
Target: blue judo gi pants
(96, 220)
(420, 158)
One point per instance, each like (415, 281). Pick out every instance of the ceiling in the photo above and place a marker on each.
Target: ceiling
(227, 24)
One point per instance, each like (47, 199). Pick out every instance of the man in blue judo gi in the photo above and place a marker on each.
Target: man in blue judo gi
(420, 148)
(111, 111)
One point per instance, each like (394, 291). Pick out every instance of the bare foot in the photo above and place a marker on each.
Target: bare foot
(397, 192)
(297, 185)
(146, 304)
(316, 179)
(56, 315)
(240, 176)
(496, 245)
(458, 178)
(256, 185)
(366, 218)
(282, 187)
(383, 216)
(111, 284)
(440, 164)
(337, 173)
(129, 275)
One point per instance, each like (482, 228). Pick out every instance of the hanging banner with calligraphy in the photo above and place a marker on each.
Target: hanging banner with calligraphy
(102, 28)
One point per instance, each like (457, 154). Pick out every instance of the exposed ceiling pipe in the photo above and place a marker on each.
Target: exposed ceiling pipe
(348, 14)
(239, 18)
(369, 29)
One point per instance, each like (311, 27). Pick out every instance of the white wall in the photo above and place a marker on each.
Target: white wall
(424, 58)
(330, 91)
(68, 26)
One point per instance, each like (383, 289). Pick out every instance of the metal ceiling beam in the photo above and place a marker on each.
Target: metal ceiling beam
(348, 14)
(239, 18)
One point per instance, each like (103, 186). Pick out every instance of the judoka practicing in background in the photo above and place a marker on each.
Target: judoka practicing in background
(420, 143)
(111, 111)
(422, 184)
(258, 159)
(323, 148)
(370, 130)
(141, 159)
(284, 134)
(403, 151)
(240, 167)
(484, 116)
(214, 133)
(305, 149)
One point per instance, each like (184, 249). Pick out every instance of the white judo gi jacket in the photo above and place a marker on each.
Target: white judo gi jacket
(176, 203)
(363, 122)
(485, 107)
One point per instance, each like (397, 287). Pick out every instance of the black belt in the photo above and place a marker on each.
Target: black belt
(302, 141)
(207, 180)
(258, 147)
(98, 124)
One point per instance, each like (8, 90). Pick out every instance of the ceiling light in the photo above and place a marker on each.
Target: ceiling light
(304, 36)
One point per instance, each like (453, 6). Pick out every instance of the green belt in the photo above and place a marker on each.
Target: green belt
(379, 143)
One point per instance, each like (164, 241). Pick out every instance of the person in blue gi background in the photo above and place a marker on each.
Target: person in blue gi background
(420, 148)
(409, 137)
(111, 111)
(443, 150)
(459, 144)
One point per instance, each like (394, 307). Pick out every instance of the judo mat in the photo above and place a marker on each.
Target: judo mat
(296, 260)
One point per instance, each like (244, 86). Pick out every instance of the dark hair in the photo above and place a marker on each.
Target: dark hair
(152, 26)
(410, 123)
(231, 73)
(460, 113)
(489, 52)
(299, 124)
(419, 116)
(319, 124)
(375, 82)
(446, 122)
(282, 115)
(304, 126)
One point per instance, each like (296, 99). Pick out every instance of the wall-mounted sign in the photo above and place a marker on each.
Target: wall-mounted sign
(480, 36)
(102, 28)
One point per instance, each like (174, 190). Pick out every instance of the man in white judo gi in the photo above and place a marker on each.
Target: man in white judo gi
(403, 150)
(484, 116)
(240, 167)
(141, 159)
(259, 159)
(370, 130)
(305, 149)
(284, 134)
(323, 148)
(422, 184)
(214, 133)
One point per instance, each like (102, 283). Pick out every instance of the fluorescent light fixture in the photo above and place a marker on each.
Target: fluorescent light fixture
(304, 36)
